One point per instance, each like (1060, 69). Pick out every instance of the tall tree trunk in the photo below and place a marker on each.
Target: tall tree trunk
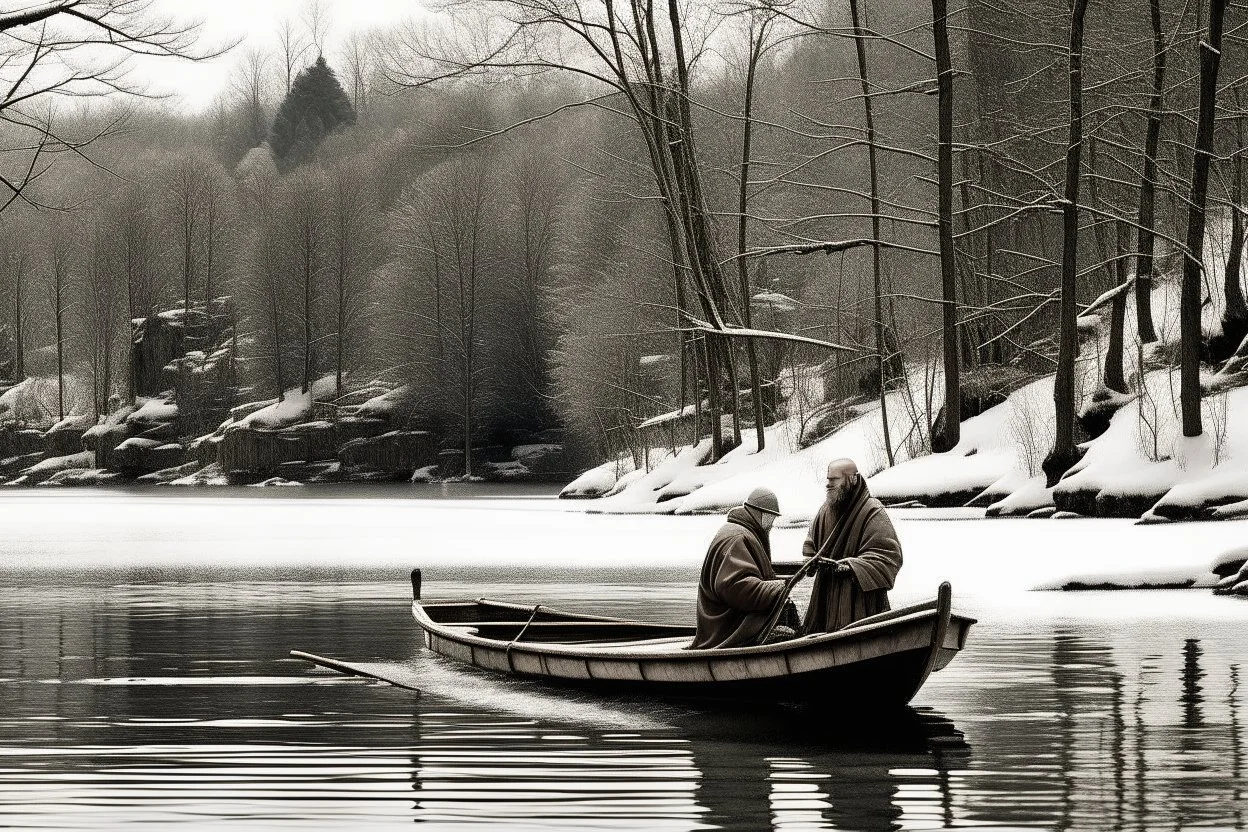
(1235, 312)
(1148, 185)
(343, 267)
(59, 280)
(19, 348)
(188, 255)
(1064, 453)
(948, 267)
(277, 347)
(743, 276)
(208, 263)
(881, 349)
(1115, 376)
(1193, 263)
(132, 310)
(308, 255)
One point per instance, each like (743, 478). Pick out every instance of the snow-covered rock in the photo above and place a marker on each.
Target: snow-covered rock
(275, 482)
(81, 477)
(425, 475)
(153, 411)
(296, 406)
(598, 481)
(208, 475)
(167, 475)
(394, 407)
(45, 469)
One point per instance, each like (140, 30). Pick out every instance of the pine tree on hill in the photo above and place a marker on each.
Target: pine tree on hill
(315, 106)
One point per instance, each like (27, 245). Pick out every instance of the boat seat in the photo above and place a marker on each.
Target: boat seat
(672, 644)
(466, 629)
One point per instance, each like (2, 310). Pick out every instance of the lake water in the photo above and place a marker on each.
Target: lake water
(144, 680)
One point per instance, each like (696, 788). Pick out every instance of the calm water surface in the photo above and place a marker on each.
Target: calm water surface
(165, 698)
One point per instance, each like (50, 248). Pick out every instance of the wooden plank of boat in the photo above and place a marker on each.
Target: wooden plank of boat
(883, 659)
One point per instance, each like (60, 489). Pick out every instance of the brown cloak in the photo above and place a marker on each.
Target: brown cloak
(856, 532)
(738, 589)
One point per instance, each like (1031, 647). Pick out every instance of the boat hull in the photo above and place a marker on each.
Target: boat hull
(884, 663)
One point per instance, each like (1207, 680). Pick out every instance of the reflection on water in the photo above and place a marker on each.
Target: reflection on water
(175, 704)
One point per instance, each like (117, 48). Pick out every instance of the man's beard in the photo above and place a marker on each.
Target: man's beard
(836, 496)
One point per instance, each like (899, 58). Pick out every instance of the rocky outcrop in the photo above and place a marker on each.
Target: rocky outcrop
(248, 455)
(138, 456)
(397, 453)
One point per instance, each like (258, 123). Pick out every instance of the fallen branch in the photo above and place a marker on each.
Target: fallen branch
(696, 325)
(829, 247)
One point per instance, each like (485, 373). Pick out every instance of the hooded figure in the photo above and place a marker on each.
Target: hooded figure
(852, 529)
(738, 589)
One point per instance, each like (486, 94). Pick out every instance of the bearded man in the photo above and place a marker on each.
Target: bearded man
(738, 589)
(861, 553)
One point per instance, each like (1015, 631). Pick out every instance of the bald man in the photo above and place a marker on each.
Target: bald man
(851, 531)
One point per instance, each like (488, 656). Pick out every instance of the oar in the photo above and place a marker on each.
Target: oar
(789, 584)
(802, 572)
(348, 669)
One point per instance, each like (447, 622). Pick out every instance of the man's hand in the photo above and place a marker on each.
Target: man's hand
(790, 617)
(836, 567)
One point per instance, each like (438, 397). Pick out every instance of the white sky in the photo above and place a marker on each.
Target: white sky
(256, 22)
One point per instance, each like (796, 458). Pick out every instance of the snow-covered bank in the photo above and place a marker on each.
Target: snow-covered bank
(1140, 465)
(453, 539)
(680, 484)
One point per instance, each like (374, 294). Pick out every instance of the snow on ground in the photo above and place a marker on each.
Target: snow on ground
(34, 401)
(294, 407)
(681, 485)
(465, 539)
(1143, 453)
(999, 450)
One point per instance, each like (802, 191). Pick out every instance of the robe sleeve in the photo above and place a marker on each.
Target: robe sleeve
(739, 583)
(879, 557)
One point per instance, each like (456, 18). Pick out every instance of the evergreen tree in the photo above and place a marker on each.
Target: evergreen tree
(315, 106)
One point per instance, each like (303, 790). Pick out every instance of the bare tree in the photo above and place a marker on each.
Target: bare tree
(15, 267)
(358, 58)
(291, 48)
(1148, 184)
(1193, 262)
(69, 50)
(102, 309)
(1064, 453)
(952, 433)
(306, 227)
(353, 249)
(250, 83)
(185, 179)
(61, 263)
(644, 59)
(881, 351)
(317, 20)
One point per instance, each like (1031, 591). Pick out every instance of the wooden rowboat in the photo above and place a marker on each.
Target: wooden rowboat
(881, 660)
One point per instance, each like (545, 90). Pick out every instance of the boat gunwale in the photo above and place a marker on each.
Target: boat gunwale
(456, 633)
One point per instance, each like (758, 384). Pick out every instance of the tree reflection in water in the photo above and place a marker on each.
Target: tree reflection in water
(135, 702)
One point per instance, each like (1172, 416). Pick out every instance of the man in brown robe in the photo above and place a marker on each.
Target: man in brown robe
(738, 589)
(853, 534)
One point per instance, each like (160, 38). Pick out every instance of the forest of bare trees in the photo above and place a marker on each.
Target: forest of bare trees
(536, 214)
